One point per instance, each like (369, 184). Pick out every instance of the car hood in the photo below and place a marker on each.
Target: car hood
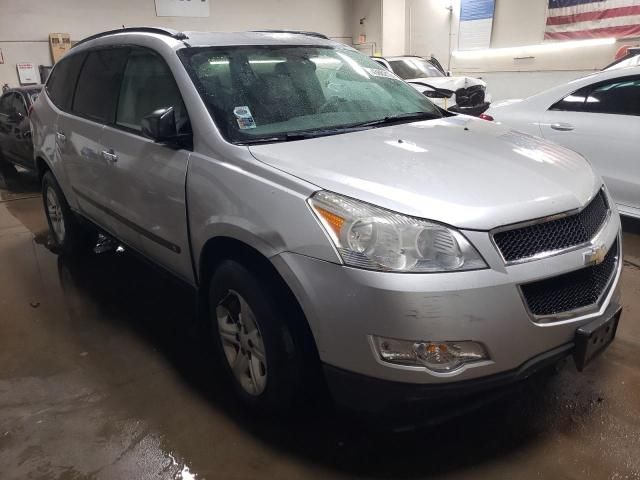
(449, 83)
(459, 170)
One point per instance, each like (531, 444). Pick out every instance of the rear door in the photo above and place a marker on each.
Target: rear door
(602, 122)
(87, 167)
(147, 180)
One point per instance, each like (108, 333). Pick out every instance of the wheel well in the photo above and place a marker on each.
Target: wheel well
(41, 168)
(219, 249)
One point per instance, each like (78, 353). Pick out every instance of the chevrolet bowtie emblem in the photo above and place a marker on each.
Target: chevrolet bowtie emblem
(595, 255)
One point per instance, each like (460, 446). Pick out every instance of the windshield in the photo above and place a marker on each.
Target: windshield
(629, 62)
(266, 92)
(408, 68)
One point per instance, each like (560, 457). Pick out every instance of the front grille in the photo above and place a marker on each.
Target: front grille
(559, 234)
(573, 290)
(470, 96)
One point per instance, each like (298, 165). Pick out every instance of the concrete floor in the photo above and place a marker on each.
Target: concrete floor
(100, 377)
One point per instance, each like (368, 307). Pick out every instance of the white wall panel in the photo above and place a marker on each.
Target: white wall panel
(25, 24)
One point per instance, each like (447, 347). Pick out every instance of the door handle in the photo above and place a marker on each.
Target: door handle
(110, 155)
(562, 127)
(61, 137)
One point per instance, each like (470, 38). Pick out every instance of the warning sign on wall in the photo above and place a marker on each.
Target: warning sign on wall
(27, 73)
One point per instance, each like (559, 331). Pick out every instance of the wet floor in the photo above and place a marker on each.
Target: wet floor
(101, 376)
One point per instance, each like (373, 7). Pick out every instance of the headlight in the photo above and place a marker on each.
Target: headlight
(373, 238)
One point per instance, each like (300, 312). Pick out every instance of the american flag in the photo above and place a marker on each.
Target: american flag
(578, 19)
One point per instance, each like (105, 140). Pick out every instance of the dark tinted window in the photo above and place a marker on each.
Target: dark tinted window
(6, 104)
(573, 102)
(18, 105)
(99, 83)
(62, 81)
(621, 97)
(148, 85)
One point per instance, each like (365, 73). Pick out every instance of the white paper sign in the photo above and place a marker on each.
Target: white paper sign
(182, 8)
(27, 73)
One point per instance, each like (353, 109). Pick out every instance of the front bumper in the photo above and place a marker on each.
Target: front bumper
(346, 306)
(474, 110)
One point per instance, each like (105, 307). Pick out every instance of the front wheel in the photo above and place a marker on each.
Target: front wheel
(68, 235)
(255, 339)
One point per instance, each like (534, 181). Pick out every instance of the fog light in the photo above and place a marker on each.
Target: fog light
(439, 357)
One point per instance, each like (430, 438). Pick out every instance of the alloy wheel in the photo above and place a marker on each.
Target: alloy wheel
(242, 343)
(54, 212)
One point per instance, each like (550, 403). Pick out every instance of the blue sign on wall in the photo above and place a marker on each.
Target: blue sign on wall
(476, 9)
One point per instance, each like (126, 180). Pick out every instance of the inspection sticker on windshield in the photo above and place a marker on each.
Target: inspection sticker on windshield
(244, 118)
(379, 72)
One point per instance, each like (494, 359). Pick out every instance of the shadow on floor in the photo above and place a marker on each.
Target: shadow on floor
(162, 312)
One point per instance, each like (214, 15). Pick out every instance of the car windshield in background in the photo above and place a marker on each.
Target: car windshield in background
(277, 93)
(632, 61)
(408, 68)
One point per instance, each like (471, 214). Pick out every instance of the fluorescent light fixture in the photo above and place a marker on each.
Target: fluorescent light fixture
(528, 50)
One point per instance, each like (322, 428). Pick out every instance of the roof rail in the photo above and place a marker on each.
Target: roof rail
(158, 30)
(296, 32)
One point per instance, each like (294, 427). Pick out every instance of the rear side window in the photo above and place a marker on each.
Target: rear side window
(619, 97)
(99, 84)
(147, 86)
(62, 81)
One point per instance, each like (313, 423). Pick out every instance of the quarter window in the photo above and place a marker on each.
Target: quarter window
(99, 84)
(148, 85)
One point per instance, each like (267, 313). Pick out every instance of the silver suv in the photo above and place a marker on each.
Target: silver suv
(337, 225)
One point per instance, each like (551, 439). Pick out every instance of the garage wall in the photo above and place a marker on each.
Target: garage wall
(370, 12)
(516, 23)
(26, 24)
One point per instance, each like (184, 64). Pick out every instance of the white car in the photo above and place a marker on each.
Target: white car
(598, 116)
(458, 94)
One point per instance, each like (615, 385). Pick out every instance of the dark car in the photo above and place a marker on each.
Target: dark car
(16, 146)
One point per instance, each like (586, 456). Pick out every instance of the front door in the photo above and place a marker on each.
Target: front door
(148, 188)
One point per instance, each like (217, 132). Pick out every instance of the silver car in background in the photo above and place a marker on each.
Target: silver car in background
(597, 116)
(336, 224)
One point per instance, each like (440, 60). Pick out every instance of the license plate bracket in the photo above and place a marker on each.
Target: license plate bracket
(593, 338)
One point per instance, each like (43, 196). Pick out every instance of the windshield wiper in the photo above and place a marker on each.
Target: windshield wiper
(352, 127)
(396, 119)
(301, 135)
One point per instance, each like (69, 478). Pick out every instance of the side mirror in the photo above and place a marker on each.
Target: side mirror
(160, 126)
(448, 73)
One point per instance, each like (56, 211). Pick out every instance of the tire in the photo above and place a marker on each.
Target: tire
(68, 235)
(7, 169)
(270, 379)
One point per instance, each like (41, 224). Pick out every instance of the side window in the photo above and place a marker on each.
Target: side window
(147, 86)
(620, 97)
(62, 81)
(6, 104)
(99, 83)
(18, 105)
(573, 102)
